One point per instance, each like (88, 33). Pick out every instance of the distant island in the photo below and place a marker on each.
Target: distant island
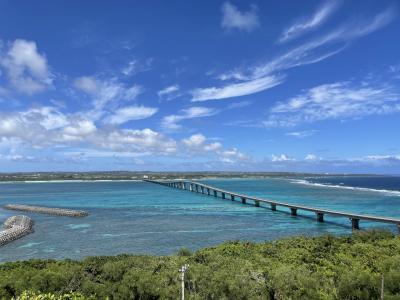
(133, 175)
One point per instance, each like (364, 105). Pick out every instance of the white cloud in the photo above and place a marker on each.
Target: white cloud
(145, 140)
(213, 146)
(264, 75)
(130, 113)
(171, 122)
(301, 134)
(105, 93)
(197, 143)
(341, 100)
(40, 127)
(87, 84)
(232, 155)
(311, 157)
(131, 68)
(47, 127)
(135, 66)
(77, 130)
(307, 24)
(80, 127)
(26, 68)
(318, 50)
(280, 158)
(381, 157)
(169, 93)
(236, 89)
(195, 140)
(232, 18)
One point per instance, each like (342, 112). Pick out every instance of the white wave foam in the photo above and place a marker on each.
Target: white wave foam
(306, 182)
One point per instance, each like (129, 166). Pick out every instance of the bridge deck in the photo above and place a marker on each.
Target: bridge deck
(194, 186)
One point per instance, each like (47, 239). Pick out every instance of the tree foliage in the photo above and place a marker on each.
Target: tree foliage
(325, 267)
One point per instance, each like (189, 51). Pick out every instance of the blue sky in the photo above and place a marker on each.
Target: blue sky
(308, 86)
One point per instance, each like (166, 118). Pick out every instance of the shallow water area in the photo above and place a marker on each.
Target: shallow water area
(143, 218)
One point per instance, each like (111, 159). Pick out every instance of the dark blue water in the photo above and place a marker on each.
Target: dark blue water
(144, 218)
(388, 183)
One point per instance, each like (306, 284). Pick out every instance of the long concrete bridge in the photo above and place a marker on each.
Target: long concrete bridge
(217, 192)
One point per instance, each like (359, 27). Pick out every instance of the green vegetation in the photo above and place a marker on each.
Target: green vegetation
(326, 267)
(29, 295)
(127, 175)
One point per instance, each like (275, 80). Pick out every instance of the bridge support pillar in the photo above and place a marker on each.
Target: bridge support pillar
(257, 203)
(223, 195)
(202, 189)
(320, 217)
(273, 206)
(208, 191)
(243, 200)
(215, 193)
(232, 197)
(355, 223)
(293, 211)
(197, 188)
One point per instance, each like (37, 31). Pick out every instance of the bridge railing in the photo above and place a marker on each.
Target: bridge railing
(214, 191)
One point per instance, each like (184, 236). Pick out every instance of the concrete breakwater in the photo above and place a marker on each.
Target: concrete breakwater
(15, 228)
(47, 210)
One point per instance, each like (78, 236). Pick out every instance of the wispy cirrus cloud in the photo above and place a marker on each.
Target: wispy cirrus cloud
(340, 100)
(130, 113)
(265, 75)
(135, 66)
(233, 18)
(105, 93)
(301, 134)
(309, 23)
(169, 93)
(171, 122)
(236, 89)
(323, 47)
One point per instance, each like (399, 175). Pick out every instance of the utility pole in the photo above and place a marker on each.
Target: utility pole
(382, 287)
(183, 271)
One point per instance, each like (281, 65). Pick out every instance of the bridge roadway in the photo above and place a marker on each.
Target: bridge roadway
(210, 190)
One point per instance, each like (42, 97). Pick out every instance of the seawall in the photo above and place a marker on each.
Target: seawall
(15, 228)
(47, 210)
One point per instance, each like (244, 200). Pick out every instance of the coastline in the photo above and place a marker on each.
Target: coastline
(70, 180)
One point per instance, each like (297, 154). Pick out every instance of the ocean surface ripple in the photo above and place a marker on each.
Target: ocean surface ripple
(142, 218)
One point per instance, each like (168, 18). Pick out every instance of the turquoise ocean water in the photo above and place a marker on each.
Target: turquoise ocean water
(143, 218)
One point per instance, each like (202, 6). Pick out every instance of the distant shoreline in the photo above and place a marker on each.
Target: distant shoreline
(112, 177)
(69, 180)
